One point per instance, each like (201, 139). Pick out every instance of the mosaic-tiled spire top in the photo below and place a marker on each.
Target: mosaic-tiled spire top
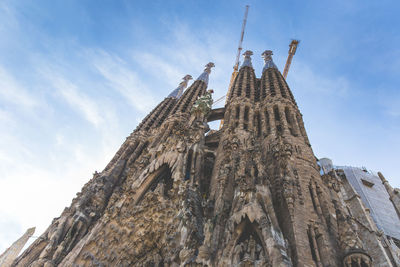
(247, 59)
(177, 93)
(269, 63)
(207, 70)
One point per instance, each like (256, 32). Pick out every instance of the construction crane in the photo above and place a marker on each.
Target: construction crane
(292, 51)
(236, 66)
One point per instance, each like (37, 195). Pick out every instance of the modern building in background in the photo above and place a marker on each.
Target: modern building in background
(380, 201)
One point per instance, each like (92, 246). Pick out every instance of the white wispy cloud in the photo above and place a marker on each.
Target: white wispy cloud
(77, 99)
(123, 80)
(12, 92)
(309, 80)
(187, 52)
(159, 67)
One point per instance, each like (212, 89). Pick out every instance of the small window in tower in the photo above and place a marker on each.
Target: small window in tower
(267, 123)
(189, 165)
(278, 125)
(248, 85)
(282, 89)
(290, 122)
(257, 122)
(237, 112)
(239, 91)
(160, 181)
(367, 183)
(276, 114)
(257, 90)
(271, 83)
(246, 113)
(246, 118)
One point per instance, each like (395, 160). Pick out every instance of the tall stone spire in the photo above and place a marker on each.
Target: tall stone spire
(177, 93)
(269, 63)
(207, 70)
(247, 59)
(250, 194)
(12, 252)
(157, 116)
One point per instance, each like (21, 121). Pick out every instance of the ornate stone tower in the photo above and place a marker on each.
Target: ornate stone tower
(178, 194)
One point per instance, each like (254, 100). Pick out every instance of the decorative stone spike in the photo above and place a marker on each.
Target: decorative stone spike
(12, 252)
(207, 70)
(269, 63)
(177, 93)
(247, 59)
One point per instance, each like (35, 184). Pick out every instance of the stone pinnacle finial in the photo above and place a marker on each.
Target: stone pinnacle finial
(208, 67)
(177, 93)
(269, 63)
(247, 58)
(207, 70)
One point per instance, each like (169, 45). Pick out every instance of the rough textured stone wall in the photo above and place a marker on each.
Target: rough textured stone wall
(250, 194)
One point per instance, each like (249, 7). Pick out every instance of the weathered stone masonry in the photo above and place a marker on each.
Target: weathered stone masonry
(249, 194)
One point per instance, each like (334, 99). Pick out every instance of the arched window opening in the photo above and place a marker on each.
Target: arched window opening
(240, 85)
(290, 121)
(237, 116)
(278, 124)
(237, 112)
(248, 84)
(209, 160)
(263, 87)
(189, 165)
(267, 123)
(246, 118)
(281, 88)
(256, 176)
(257, 91)
(257, 122)
(249, 250)
(271, 83)
(159, 181)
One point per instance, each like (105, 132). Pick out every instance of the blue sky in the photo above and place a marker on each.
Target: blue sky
(76, 77)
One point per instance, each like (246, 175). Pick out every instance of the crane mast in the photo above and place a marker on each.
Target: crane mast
(292, 51)
(236, 66)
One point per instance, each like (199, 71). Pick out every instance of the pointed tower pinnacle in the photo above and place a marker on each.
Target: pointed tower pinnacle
(247, 59)
(207, 70)
(12, 252)
(177, 93)
(269, 63)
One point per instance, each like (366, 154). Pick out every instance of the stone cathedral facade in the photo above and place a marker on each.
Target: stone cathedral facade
(249, 194)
